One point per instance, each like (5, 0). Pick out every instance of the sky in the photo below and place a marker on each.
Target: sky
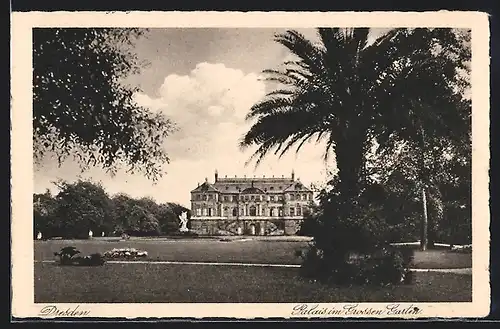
(204, 80)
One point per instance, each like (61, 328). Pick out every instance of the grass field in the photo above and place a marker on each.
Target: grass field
(208, 250)
(158, 283)
(150, 282)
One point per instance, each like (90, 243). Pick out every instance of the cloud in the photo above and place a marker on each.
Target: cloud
(209, 106)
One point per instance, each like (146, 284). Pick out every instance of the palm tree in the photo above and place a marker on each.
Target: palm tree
(353, 93)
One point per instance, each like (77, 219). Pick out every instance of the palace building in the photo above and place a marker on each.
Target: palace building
(249, 206)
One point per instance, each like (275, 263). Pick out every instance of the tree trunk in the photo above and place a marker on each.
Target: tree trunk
(424, 237)
(350, 159)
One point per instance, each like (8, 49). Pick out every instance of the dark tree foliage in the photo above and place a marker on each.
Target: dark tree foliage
(368, 99)
(83, 108)
(349, 93)
(44, 207)
(84, 205)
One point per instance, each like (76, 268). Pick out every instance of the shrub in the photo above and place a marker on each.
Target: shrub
(68, 256)
(351, 246)
(381, 267)
(91, 260)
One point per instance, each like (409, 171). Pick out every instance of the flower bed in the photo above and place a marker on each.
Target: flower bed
(127, 253)
(464, 249)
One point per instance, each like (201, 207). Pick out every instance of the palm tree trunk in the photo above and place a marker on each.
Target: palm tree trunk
(425, 219)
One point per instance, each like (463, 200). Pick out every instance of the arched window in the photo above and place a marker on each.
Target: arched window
(235, 211)
(292, 211)
(253, 211)
(280, 211)
(299, 210)
(271, 211)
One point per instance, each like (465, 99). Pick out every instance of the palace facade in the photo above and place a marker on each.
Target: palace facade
(249, 206)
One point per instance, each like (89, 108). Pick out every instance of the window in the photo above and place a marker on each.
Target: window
(242, 212)
(271, 211)
(210, 212)
(205, 197)
(297, 197)
(198, 211)
(271, 197)
(210, 197)
(198, 197)
(227, 187)
(280, 198)
(280, 211)
(304, 197)
(271, 188)
(292, 211)
(235, 211)
(204, 211)
(253, 211)
(292, 197)
(252, 198)
(246, 198)
(299, 211)
(235, 198)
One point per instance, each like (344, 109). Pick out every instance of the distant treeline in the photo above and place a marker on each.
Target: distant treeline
(84, 205)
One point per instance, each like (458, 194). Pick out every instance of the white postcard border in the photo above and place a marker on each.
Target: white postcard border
(22, 157)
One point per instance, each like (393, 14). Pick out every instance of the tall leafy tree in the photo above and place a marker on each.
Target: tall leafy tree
(82, 106)
(44, 220)
(83, 206)
(351, 93)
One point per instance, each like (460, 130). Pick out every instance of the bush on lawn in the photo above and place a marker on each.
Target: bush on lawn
(68, 256)
(380, 267)
(351, 245)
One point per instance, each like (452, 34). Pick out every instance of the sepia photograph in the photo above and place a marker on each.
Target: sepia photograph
(325, 168)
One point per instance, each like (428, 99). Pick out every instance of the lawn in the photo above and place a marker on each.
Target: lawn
(161, 283)
(211, 250)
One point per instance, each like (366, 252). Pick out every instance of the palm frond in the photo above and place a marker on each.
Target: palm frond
(299, 45)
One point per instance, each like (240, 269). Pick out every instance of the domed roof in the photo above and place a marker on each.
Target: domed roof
(252, 190)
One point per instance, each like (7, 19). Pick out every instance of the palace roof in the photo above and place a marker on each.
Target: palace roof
(253, 185)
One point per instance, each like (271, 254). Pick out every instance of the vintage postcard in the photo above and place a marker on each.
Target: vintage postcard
(250, 165)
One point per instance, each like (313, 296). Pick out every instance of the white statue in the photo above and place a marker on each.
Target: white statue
(39, 236)
(91, 234)
(184, 220)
